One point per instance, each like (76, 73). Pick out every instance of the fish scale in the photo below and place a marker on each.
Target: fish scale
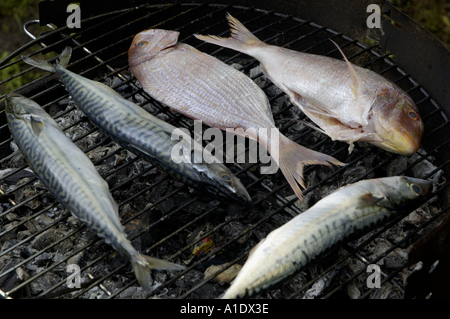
(217, 93)
(145, 135)
(55, 171)
(72, 178)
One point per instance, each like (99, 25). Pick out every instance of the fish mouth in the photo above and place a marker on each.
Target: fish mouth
(15, 106)
(405, 144)
(237, 196)
(244, 198)
(9, 102)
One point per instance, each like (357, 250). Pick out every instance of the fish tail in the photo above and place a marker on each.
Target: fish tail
(44, 65)
(241, 38)
(293, 157)
(142, 265)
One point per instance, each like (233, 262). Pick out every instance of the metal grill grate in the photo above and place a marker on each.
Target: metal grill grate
(39, 238)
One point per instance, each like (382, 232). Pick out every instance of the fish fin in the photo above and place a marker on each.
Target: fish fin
(370, 199)
(37, 125)
(293, 157)
(357, 83)
(143, 264)
(241, 38)
(138, 150)
(65, 57)
(44, 65)
(298, 100)
(318, 129)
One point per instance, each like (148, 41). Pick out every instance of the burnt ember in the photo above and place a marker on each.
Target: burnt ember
(166, 219)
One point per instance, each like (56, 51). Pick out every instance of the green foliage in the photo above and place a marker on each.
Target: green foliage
(434, 15)
(17, 82)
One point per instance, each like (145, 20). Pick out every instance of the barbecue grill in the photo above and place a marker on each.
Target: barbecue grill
(166, 219)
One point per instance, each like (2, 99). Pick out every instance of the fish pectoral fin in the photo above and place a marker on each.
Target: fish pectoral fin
(37, 125)
(370, 199)
(304, 105)
(314, 127)
(357, 86)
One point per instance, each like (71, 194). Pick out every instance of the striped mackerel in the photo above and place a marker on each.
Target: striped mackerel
(145, 135)
(72, 178)
(346, 212)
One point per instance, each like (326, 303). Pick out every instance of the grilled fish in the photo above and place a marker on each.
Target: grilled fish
(72, 178)
(346, 212)
(147, 136)
(347, 102)
(204, 88)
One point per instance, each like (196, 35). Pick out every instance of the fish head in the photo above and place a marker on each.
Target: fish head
(399, 191)
(147, 44)
(20, 108)
(221, 183)
(396, 121)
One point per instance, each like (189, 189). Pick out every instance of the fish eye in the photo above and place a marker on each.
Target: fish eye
(413, 115)
(141, 44)
(416, 189)
(226, 178)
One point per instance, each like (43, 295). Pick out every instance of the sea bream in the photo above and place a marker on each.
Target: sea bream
(347, 102)
(147, 136)
(347, 212)
(204, 88)
(72, 178)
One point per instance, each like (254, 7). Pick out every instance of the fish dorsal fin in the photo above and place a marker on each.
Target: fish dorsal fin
(65, 57)
(356, 79)
(36, 125)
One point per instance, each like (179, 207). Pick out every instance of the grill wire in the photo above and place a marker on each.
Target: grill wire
(38, 243)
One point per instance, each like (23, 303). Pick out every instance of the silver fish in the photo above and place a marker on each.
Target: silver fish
(147, 136)
(347, 212)
(204, 88)
(347, 102)
(72, 178)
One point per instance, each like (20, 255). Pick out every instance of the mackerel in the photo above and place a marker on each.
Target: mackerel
(147, 136)
(72, 178)
(347, 212)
